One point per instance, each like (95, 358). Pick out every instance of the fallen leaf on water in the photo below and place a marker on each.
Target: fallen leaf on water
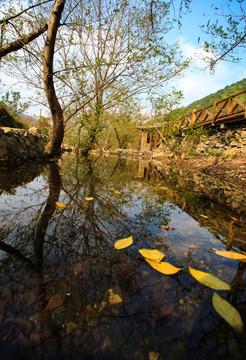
(151, 254)
(163, 267)
(114, 298)
(70, 326)
(231, 255)
(233, 218)
(116, 191)
(123, 243)
(209, 280)
(166, 227)
(54, 302)
(204, 216)
(59, 205)
(88, 198)
(228, 312)
(166, 309)
(153, 356)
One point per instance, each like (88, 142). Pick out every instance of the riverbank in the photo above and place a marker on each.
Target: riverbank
(231, 170)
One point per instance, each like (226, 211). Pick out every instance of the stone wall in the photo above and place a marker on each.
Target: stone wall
(224, 142)
(18, 145)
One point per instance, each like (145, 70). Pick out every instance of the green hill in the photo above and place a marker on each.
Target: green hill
(209, 99)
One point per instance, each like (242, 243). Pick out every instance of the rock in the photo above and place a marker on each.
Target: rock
(243, 134)
(233, 143)
(19, 145)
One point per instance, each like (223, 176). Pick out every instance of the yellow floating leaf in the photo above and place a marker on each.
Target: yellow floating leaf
(154, 356)
(233, 218)
(70, 326)
(209, 280)
(117, 192)
(166, 227)
(151, 254)
(59, 205)
(228, 312)
(54, 302)
(123, 243)
(163, 267)
(231, 255)
(114, 298)
(88, 198)
(204, 216)
(162, 188)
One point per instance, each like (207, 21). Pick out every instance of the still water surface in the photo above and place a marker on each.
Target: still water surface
(66, 293)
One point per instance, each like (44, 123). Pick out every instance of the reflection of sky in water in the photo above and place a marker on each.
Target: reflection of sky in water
(31, 194)
(81, 265)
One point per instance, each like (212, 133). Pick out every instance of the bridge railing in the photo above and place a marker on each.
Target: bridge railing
(221, 111)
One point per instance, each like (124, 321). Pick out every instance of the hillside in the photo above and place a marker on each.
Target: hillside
(209, 99)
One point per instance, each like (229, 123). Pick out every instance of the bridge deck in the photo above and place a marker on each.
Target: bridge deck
(229, 110)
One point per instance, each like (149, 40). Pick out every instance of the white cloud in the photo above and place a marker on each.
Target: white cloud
(199, 82)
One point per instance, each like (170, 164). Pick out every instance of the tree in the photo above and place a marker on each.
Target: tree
(117, 52)
(54, 145)
(228, 32)
(96, 57)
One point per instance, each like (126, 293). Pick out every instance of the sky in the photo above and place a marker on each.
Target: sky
(197, 82)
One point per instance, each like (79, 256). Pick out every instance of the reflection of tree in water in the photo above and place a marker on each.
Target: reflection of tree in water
(33, 276)
(71, 255)
(83, 285)
(204, 199)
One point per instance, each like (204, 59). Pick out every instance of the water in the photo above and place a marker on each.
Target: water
(66, 293)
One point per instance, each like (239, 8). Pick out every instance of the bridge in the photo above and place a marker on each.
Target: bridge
(229, 110)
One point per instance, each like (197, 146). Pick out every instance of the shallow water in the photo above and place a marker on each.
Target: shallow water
(66, 293)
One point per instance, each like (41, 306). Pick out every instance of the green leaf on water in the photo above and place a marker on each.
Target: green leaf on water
(228, 312)
(209, 280)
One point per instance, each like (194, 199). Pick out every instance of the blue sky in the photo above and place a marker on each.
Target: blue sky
(197, 82)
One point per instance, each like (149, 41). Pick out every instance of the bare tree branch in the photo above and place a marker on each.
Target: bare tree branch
(20, 43)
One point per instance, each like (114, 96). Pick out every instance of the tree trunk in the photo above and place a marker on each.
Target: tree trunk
(118, 137)
(53, 148)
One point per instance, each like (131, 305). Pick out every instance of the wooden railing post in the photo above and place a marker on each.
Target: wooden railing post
(193, 119)
(229, 106)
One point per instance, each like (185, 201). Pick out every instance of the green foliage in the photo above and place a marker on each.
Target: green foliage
(226, 32)
(194, 134)
(12, 100)
(7, 119)
(44, 124)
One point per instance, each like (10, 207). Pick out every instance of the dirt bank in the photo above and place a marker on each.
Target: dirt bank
(231, 170)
